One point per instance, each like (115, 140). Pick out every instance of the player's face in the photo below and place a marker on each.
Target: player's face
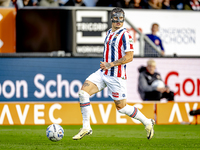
(151, 68)
(117, 20)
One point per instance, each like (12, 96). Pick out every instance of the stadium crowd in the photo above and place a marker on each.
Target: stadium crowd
(129, 4)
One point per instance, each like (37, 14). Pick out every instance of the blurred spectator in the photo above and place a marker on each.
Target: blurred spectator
(177, 4)
(166, 4)
(137, 4)
(17, 3)
(103, 3)
(192, 5)
(109, 3)
(90, 3)
(154, 4)
(28, 3)
(127, 3)
(75, 3)
(46, 3)
(150, 51)
(150, 85)
(4, 3)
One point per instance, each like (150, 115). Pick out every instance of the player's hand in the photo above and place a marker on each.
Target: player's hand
(105, 65)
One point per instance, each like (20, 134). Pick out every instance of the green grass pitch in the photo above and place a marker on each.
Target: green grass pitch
(104, 137)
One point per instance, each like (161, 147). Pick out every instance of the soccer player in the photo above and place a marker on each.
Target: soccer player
(118, 50)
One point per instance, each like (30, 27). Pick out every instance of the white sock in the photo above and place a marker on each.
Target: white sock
(133, 112)
(86, 116)
(85, 108)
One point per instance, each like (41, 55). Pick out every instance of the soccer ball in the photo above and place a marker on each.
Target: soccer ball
(158, 84)
(54, 132)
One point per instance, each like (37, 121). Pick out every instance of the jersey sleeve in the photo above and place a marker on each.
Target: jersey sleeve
(127, 41)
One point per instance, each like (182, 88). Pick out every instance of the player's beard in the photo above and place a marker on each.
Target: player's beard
(116, 28)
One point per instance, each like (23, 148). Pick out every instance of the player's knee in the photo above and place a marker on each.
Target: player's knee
(119, 107)
(121, 110)
(83, 96)
(120, 104)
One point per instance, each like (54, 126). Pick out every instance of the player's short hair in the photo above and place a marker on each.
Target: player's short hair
(151, 62)
(116, 10)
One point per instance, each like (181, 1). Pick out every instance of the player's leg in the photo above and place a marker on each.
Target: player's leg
(133, 112)
(118, 92)
(86, 91)
(92, 85)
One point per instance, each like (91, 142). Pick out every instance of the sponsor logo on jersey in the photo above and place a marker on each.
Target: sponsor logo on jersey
(115, 94)
(131, 41)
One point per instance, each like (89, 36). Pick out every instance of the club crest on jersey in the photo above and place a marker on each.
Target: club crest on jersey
(116, 35)
(115, 94)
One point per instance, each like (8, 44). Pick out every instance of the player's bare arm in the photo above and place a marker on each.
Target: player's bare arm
(126, 59)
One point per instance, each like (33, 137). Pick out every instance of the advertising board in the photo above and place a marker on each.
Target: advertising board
(60, 79)
(46, 79)
(7, 30)
(91, 28)
(67, 113)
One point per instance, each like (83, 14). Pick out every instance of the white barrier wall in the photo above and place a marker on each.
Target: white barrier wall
(179, 30)
(181, 74)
